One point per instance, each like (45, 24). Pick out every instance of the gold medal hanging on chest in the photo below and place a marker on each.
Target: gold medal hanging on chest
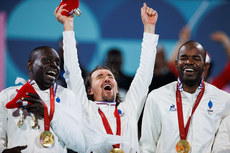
(182, 146)
(116, 150)
(20, 121)
(47, 139)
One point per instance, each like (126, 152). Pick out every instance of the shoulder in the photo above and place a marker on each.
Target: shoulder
(164, 90)
(61, 90)
(214, 91)
(10, 90)
(8, 94)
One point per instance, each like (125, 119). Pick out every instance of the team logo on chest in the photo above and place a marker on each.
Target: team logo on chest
(172, 108)
(210, 110)
(122, 114)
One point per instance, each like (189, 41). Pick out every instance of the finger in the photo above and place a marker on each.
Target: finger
(143, 9)
(22, 147)
(31, 99)
(62, 6)
(147, 10)
(153, 12)
(56, 10)
(34, 95)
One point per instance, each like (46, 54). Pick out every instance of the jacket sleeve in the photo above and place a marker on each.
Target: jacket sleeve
(222, 139)
(72, 69)
(151, 126)
(138, 90)
(3, 121)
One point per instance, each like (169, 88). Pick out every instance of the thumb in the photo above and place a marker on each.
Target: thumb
(22, 147)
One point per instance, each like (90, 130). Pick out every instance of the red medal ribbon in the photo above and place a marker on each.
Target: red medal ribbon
(184, 130)
(47, 118)
(107, 126)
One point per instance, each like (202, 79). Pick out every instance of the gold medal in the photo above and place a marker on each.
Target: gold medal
(182, 146)
(116, 150)
(20, 121)
(35, 122)
(46, 139)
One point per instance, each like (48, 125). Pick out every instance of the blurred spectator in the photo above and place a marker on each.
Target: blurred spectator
(162, 73)
(223, 78)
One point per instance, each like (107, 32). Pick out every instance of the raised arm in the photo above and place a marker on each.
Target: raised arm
(138, 90)
(184, 36)
(221, 37)
(224, 77)
(73, 72)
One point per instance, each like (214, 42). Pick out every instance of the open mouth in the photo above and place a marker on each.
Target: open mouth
(108, 87)
(189, 70)
(51, 74)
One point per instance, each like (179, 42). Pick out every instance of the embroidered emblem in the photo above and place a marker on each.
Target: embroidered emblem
(172, 108)
(121, 113)
(210, 110)
(58, 100)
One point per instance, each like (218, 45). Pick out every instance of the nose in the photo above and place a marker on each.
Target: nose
(107, 79)
(189, 61)
(54, 63)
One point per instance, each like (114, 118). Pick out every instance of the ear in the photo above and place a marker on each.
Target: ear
(89, 91)
(206, 66)
(30, 65)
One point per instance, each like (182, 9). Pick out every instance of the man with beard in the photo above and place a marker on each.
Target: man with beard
(184, 116)
(99, 97)
(20, 128)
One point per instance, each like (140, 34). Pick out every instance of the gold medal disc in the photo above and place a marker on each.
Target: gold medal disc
(116, 150)
(46, 139)
(182, 146)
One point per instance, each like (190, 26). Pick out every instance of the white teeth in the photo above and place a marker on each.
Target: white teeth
(51, 72)
(189, 70)
(107, 87)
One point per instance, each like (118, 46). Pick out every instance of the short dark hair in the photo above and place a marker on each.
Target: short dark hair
(88, 83)
(38, 49)
(191, 41)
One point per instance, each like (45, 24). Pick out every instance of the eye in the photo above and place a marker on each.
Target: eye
(197, 58)
(58, 63)
(46, 60)
(183, 58)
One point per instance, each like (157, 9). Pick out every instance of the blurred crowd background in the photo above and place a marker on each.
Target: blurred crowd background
(106, 25)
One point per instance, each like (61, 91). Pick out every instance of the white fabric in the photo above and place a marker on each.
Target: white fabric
(11, 135)
(160, 131)
(78, 134)
(130, 108)
(222, 140)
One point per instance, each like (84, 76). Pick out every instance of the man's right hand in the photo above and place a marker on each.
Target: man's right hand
(17, 149)
(67, 21)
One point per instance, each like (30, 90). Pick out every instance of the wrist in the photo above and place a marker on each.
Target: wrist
(68, 26)
(149, 28)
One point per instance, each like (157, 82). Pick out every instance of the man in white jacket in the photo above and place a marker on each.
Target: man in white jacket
(184, 116)
(19, 132)
(100, 97)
